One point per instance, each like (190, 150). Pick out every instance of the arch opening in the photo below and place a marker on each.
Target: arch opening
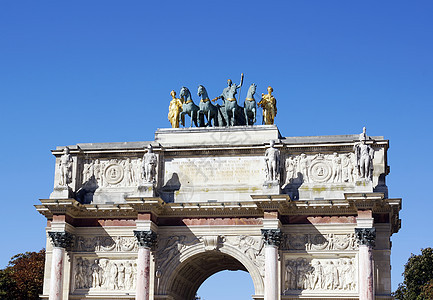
(191, 273)
(227, 285)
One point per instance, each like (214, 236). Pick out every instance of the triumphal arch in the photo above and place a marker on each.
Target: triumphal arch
(306, 217)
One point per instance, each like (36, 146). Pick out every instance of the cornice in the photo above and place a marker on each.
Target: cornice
(254, 208)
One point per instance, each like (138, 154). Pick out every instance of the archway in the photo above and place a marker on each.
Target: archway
(227, 285)
(189, 275)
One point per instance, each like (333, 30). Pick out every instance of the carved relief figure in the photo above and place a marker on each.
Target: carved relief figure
(336, 168)
(250, 246)
(99, 172)
(303, 166)
(88, 171)
(96, 274)
(269, 105)
(65, 168)
(347, 168)
(174, 110)
(104, 274)
(290, 170)
(320, 274)
(364, 157)
(272, 158)
(129, 172)
(150, 161)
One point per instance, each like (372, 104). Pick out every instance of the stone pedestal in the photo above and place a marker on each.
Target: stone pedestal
(366, 238)
(61, 192)
(145, 190)
(363, 185)
(146, 240)
(271, 187)
(272, 239)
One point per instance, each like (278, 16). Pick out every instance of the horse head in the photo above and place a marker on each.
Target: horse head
(184, 92)
(201, 90)
(252, 90)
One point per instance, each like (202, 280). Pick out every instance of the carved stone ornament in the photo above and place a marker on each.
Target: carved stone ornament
(211, 242)
(366, 236)
(100, 274)
(321, 242)
(145, 238)
(61, 239)
(272, 237)
(319, 275)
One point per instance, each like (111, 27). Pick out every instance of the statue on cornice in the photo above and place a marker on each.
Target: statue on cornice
(364, 156)
(174, 111)
(150, 161)
(269, 105)
(65, 167)
(272, 158)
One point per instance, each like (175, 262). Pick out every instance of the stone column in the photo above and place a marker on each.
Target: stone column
(272, 239)
(145, 239)
(60, 241)
(366, 238)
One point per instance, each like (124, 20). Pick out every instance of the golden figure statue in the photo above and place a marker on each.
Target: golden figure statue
(174, 110)
(269, 105)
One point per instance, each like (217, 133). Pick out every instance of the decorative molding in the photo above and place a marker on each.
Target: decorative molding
(105, 244)
(145, 238)
(272, 237)
(366, 236)
(61, 239)
(320, 242)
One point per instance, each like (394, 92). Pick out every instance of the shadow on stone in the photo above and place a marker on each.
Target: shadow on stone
(167, 191)
(85, 194)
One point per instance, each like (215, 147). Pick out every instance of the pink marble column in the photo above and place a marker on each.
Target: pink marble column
(366, 238)
(56, 276)
(60, 241)
(146, 240)
(272, 239)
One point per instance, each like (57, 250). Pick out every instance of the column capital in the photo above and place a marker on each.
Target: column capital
(366, 236)
(61, 239)
(272, 237)
(145, 238)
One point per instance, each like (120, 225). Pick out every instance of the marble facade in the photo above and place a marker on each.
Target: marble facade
(153, 220)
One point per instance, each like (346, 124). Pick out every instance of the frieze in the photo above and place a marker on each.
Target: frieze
(105, 244)
(99, 274)
(320, 168)
(120, 172)
(319, 275)
(320, 242)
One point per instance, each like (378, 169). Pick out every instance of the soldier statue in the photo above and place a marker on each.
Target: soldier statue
(65, 167)
(364, 157)
(272, 158)
(150, 161)
(174, 110)
(269, 105)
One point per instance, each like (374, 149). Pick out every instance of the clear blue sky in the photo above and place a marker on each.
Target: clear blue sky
(101, 71)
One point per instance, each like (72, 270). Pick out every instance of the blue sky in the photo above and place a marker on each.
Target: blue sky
(101, 71)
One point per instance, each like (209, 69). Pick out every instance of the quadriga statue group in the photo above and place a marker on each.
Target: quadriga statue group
(229, 113)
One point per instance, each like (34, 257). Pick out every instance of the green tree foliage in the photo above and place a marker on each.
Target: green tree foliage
(418, 277)
(23, 278)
